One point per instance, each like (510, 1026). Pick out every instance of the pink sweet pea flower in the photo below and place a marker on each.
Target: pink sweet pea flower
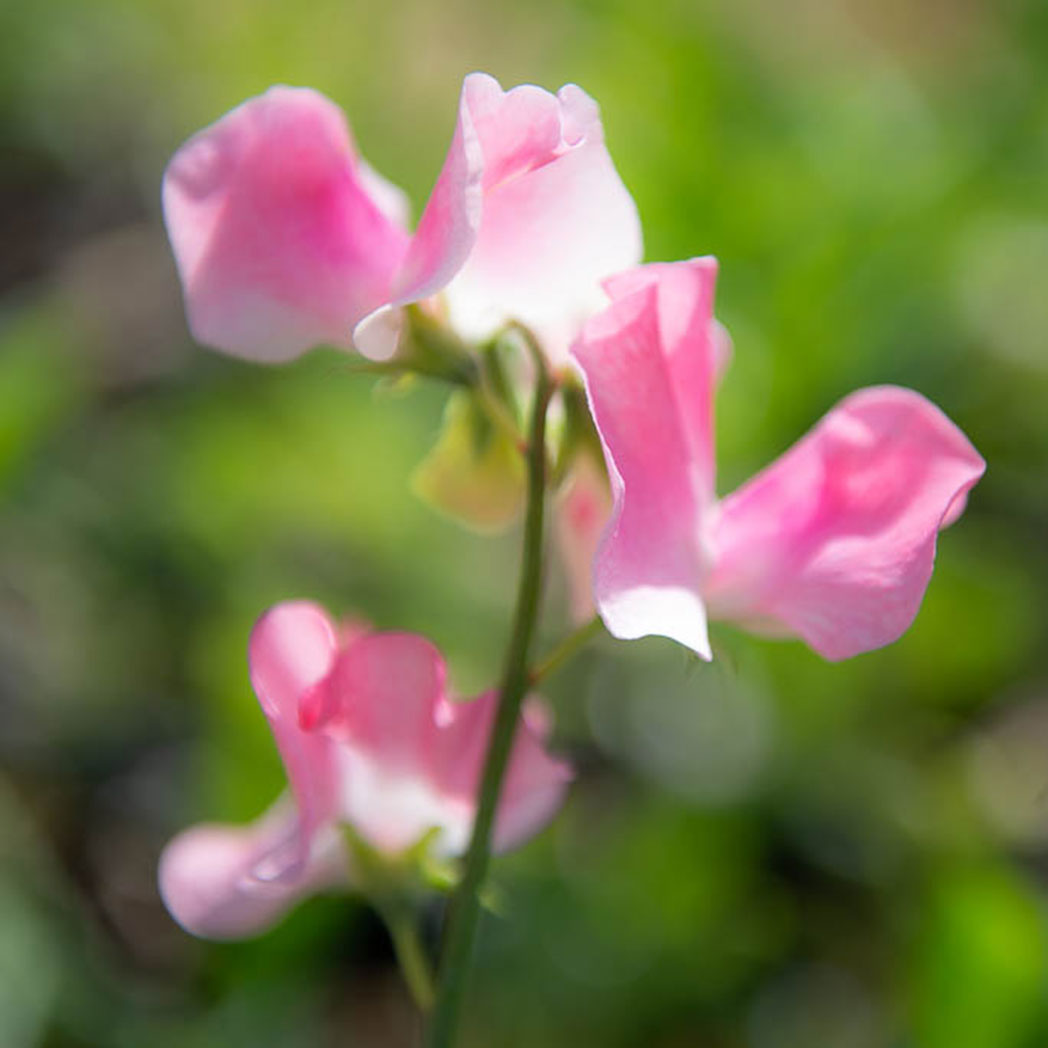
(369, 737)
(284, 238)
(833, 543)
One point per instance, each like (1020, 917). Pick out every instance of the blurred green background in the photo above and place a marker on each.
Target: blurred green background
(769, 852)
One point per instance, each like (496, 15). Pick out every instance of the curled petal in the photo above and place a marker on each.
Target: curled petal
(448, 228)
(526, 218)
(556, 217)
(834, 542)
(292, 650)
(378, 334)
(649, 363)
(212, 877)
(283, 237)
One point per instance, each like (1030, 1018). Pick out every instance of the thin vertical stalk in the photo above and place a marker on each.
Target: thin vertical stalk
(465, 909)
(567, 648)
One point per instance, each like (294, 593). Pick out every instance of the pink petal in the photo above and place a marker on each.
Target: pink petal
(210, 882)
(381, 710)
(580, 516)
(382, 695)
(527, 216)
(695, 347)
(292, 651)
(535, 782)
(283, 238)
(649, 362)
(834, 542)
(411, 759)
(448, 228)
(556, 217)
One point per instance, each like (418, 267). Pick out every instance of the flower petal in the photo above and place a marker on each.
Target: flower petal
(411, 758)
(380, 712)
(581, 513)
(834, 542)
(209, 877)
(556, 217)
(283, 238)
(383, 694)
(535, 782)
(526, 218)
(292, 651)
(448, 227)
(695, 347)
(649, 362)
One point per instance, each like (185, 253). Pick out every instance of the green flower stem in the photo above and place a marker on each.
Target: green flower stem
(464, 915)
(411, 955)
(568, 647)
(429, 347)
(500, 417)
(396, 368)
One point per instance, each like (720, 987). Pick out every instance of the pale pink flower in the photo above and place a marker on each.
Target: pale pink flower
(832, 543)
(284, 238)
(369, 737)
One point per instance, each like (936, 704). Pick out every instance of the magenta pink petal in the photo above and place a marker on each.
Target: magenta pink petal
(649, 362)
(283, 238)
(292, 651)
(210, 875)
(834, 542)
(382, 695)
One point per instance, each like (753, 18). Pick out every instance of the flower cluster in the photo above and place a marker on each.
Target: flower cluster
(832, 543)
(370, 738)
(285, 239)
